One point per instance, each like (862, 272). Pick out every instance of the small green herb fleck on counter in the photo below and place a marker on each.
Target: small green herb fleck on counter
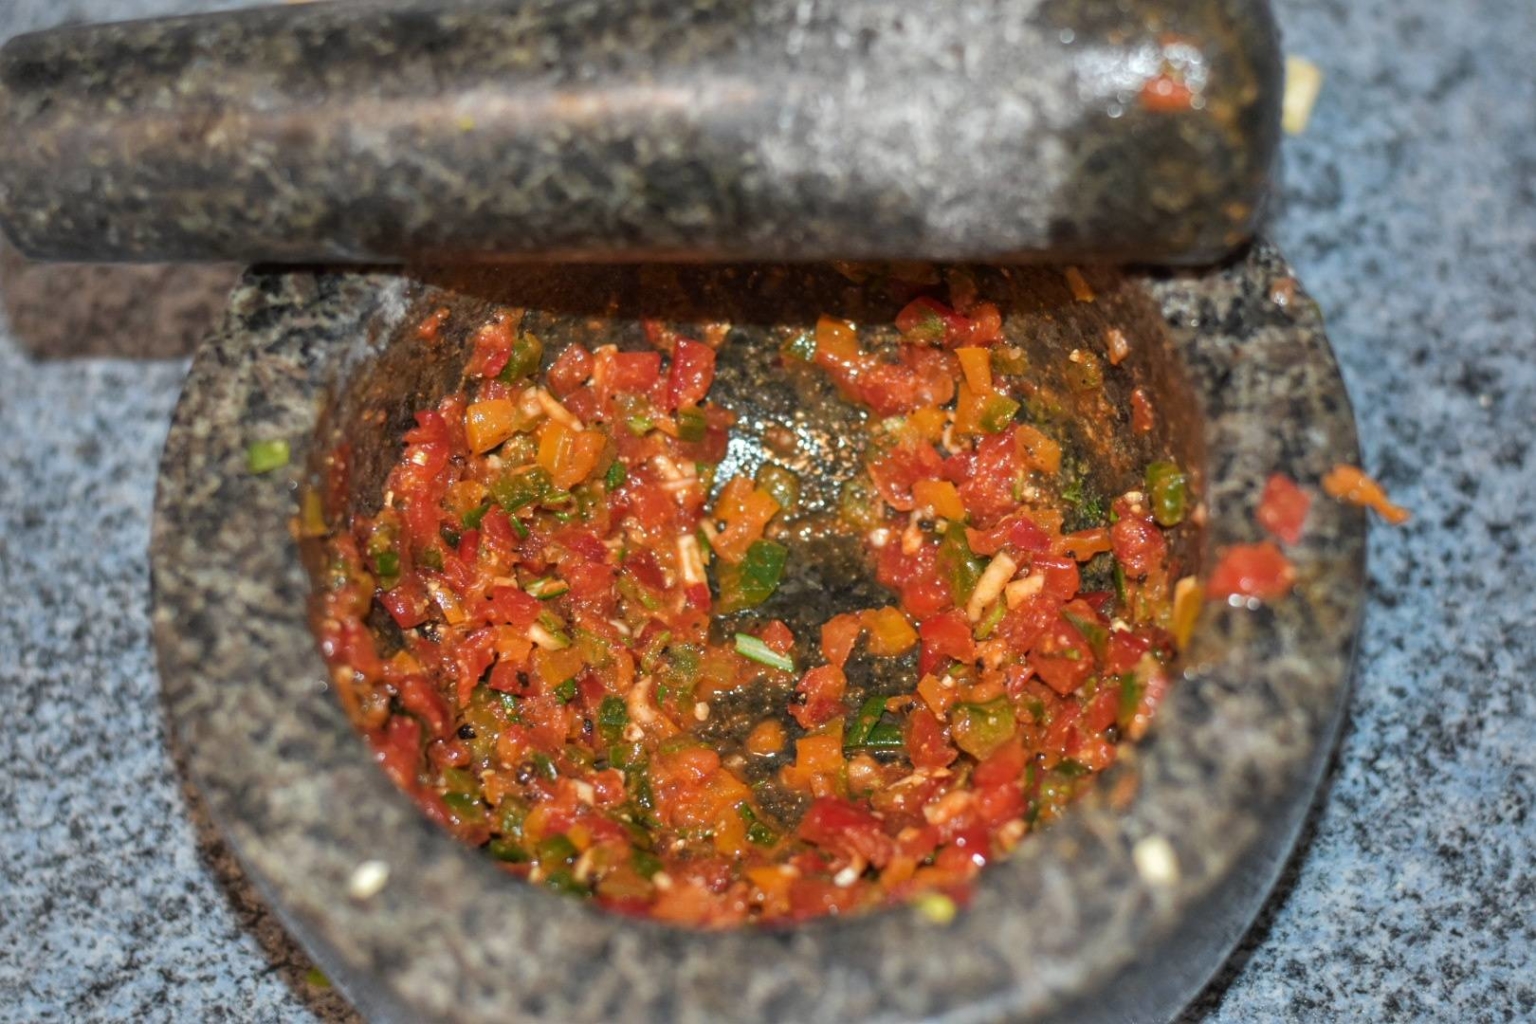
(265, 456)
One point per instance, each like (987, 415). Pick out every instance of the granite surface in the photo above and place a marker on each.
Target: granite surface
(1411, 214)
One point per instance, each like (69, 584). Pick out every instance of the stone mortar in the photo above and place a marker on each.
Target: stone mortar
(1067, 929)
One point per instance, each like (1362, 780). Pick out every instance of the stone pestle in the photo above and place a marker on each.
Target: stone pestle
(384, 132)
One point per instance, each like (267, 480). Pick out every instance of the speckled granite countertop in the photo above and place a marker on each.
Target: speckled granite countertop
(1411, 215)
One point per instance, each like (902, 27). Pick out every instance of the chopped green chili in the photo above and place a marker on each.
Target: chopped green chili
(527, 354)
(754, 579)
(691, 425)
(753, 649)
(265, 456)
(1168, 492)
(514, 490)
(612, 717)
(867, 730)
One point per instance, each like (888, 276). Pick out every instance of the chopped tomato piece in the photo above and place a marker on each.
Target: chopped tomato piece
(946, 637)
(571, 370)
(1137, 542)
(693, 371)
(636, 373)
(1257, 571)
(1283, 508)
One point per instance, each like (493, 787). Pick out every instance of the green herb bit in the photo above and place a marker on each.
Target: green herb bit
(616, 475)
(981, 729)
(801, 347)
(468, 808)
(566, 883)
(265, 456)
(612, 717)
(1071, 769)
(512, 491)
(1084, 372)
(1168, 491)
(1091, 510)
(1094, 632)
(783, 484)
(460, 781)
(432, 558)
(753, 649)
(547, 588)
(1131, 690)
(545, 766)
(960, 567)
(859, 505)
(865, 719)
(645, 863)
(626, 756)
(388, 564)
(527, 355)
(870, 732)
(758, 833)
(506, 851)
(990, 620)
(632, 589)
(998, 413)
(935, 907)
(691, 425)
(474, 516)
(754, 579)
(566, 691)
(930, 327)
(1008, 361)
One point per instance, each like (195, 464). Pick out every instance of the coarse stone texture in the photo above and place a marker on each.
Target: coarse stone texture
(1411, 219)
(645, 129)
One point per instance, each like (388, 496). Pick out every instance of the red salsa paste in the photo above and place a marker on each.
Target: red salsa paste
(553, 550)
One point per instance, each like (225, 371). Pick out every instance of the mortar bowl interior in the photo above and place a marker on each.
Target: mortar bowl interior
(1072, 927)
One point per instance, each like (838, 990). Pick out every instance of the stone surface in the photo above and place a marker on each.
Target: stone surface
(644, 129)
(1410, 217)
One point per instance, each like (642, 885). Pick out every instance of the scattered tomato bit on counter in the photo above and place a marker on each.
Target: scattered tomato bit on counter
(1247, 573)
(575, 604)
(266, 456)
(1283, 508)
(1349, 484)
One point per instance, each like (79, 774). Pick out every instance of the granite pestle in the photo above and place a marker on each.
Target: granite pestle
(1000, 130)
